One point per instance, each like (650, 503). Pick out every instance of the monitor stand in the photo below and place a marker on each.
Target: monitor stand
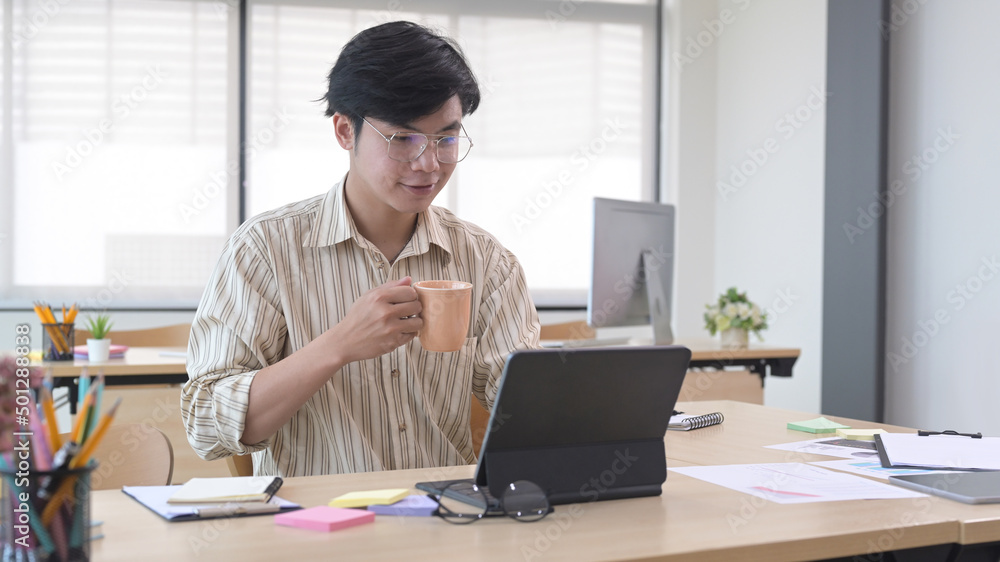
(659, 310)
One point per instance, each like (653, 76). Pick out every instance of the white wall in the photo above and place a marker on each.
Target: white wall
(760, 62)
(943, 230)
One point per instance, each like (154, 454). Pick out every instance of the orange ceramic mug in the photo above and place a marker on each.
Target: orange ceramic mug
(446, 310)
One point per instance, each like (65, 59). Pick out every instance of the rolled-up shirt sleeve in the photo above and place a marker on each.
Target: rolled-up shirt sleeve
(237, 330)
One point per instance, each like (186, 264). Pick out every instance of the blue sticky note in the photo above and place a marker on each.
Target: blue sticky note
(415, 506)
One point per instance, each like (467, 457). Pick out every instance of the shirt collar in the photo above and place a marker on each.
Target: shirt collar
(334, 225)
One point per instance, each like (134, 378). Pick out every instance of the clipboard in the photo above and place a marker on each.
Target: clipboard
(155, 499)
(938, 451)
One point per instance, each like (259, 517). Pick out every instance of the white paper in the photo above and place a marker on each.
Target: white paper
(871, 468)
(818, 447)
(942, 451)
(795, 482)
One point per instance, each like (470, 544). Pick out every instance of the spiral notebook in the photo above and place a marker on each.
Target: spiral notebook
(686, 422)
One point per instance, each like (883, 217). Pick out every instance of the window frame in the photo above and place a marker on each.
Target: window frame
(239, 39)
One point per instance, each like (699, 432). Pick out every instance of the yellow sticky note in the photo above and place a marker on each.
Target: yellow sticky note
(370, 497)
(859, 434)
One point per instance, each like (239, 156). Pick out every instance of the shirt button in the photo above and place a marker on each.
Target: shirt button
(394, 373)
(402, 427)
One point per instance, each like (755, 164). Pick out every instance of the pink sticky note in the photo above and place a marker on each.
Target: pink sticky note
(324, 518)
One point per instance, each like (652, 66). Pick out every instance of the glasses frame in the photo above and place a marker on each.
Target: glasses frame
(423, 149)
(487, 510)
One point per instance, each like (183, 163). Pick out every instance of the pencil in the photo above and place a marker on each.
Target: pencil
(81, 413)
(99, 385)
(55, 442)
(95, 439)
(53, 333)
(82, 386)
(43, 458)
(79, 461)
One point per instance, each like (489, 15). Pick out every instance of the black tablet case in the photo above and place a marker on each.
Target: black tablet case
(584, 424)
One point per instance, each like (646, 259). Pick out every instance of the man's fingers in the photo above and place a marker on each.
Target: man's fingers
(404, 282)
(396, 295)
(406, 309)
(411, 325)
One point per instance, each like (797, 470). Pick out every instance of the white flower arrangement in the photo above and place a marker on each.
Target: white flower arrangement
(734, 310)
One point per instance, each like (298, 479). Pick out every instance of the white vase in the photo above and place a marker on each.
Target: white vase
(735, 338)
(98, 350)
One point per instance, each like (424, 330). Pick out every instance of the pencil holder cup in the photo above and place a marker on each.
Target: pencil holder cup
(46, 514)
(57, 342)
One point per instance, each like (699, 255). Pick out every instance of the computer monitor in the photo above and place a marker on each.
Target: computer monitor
(632, 273)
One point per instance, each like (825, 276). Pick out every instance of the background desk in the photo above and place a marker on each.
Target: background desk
(140, 366)
(712, 376)
(149, 366)
(692, 520)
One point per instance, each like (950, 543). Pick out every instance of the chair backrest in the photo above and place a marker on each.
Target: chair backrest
(132, 454)
(165, 336)
(240, 465)
(479, 418)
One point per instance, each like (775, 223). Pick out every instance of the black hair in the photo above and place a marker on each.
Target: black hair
(398, 72)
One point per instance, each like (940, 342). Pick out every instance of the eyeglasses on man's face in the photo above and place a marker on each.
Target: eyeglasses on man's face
(407, 147)
(463, 502)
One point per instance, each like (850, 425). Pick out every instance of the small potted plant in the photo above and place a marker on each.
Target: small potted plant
(734, 316)
(98, 345)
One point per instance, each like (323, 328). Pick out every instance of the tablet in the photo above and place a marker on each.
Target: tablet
(582, 424)
(966, 487)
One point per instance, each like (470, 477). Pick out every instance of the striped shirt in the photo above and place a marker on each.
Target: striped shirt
(287, 276)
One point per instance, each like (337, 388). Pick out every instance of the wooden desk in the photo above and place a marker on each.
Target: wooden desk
(757, 358)
(692, 520)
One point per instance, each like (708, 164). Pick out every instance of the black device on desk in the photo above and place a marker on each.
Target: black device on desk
(966, 487)
(585, 424)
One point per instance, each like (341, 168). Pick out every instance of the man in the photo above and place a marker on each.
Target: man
(302, 350)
